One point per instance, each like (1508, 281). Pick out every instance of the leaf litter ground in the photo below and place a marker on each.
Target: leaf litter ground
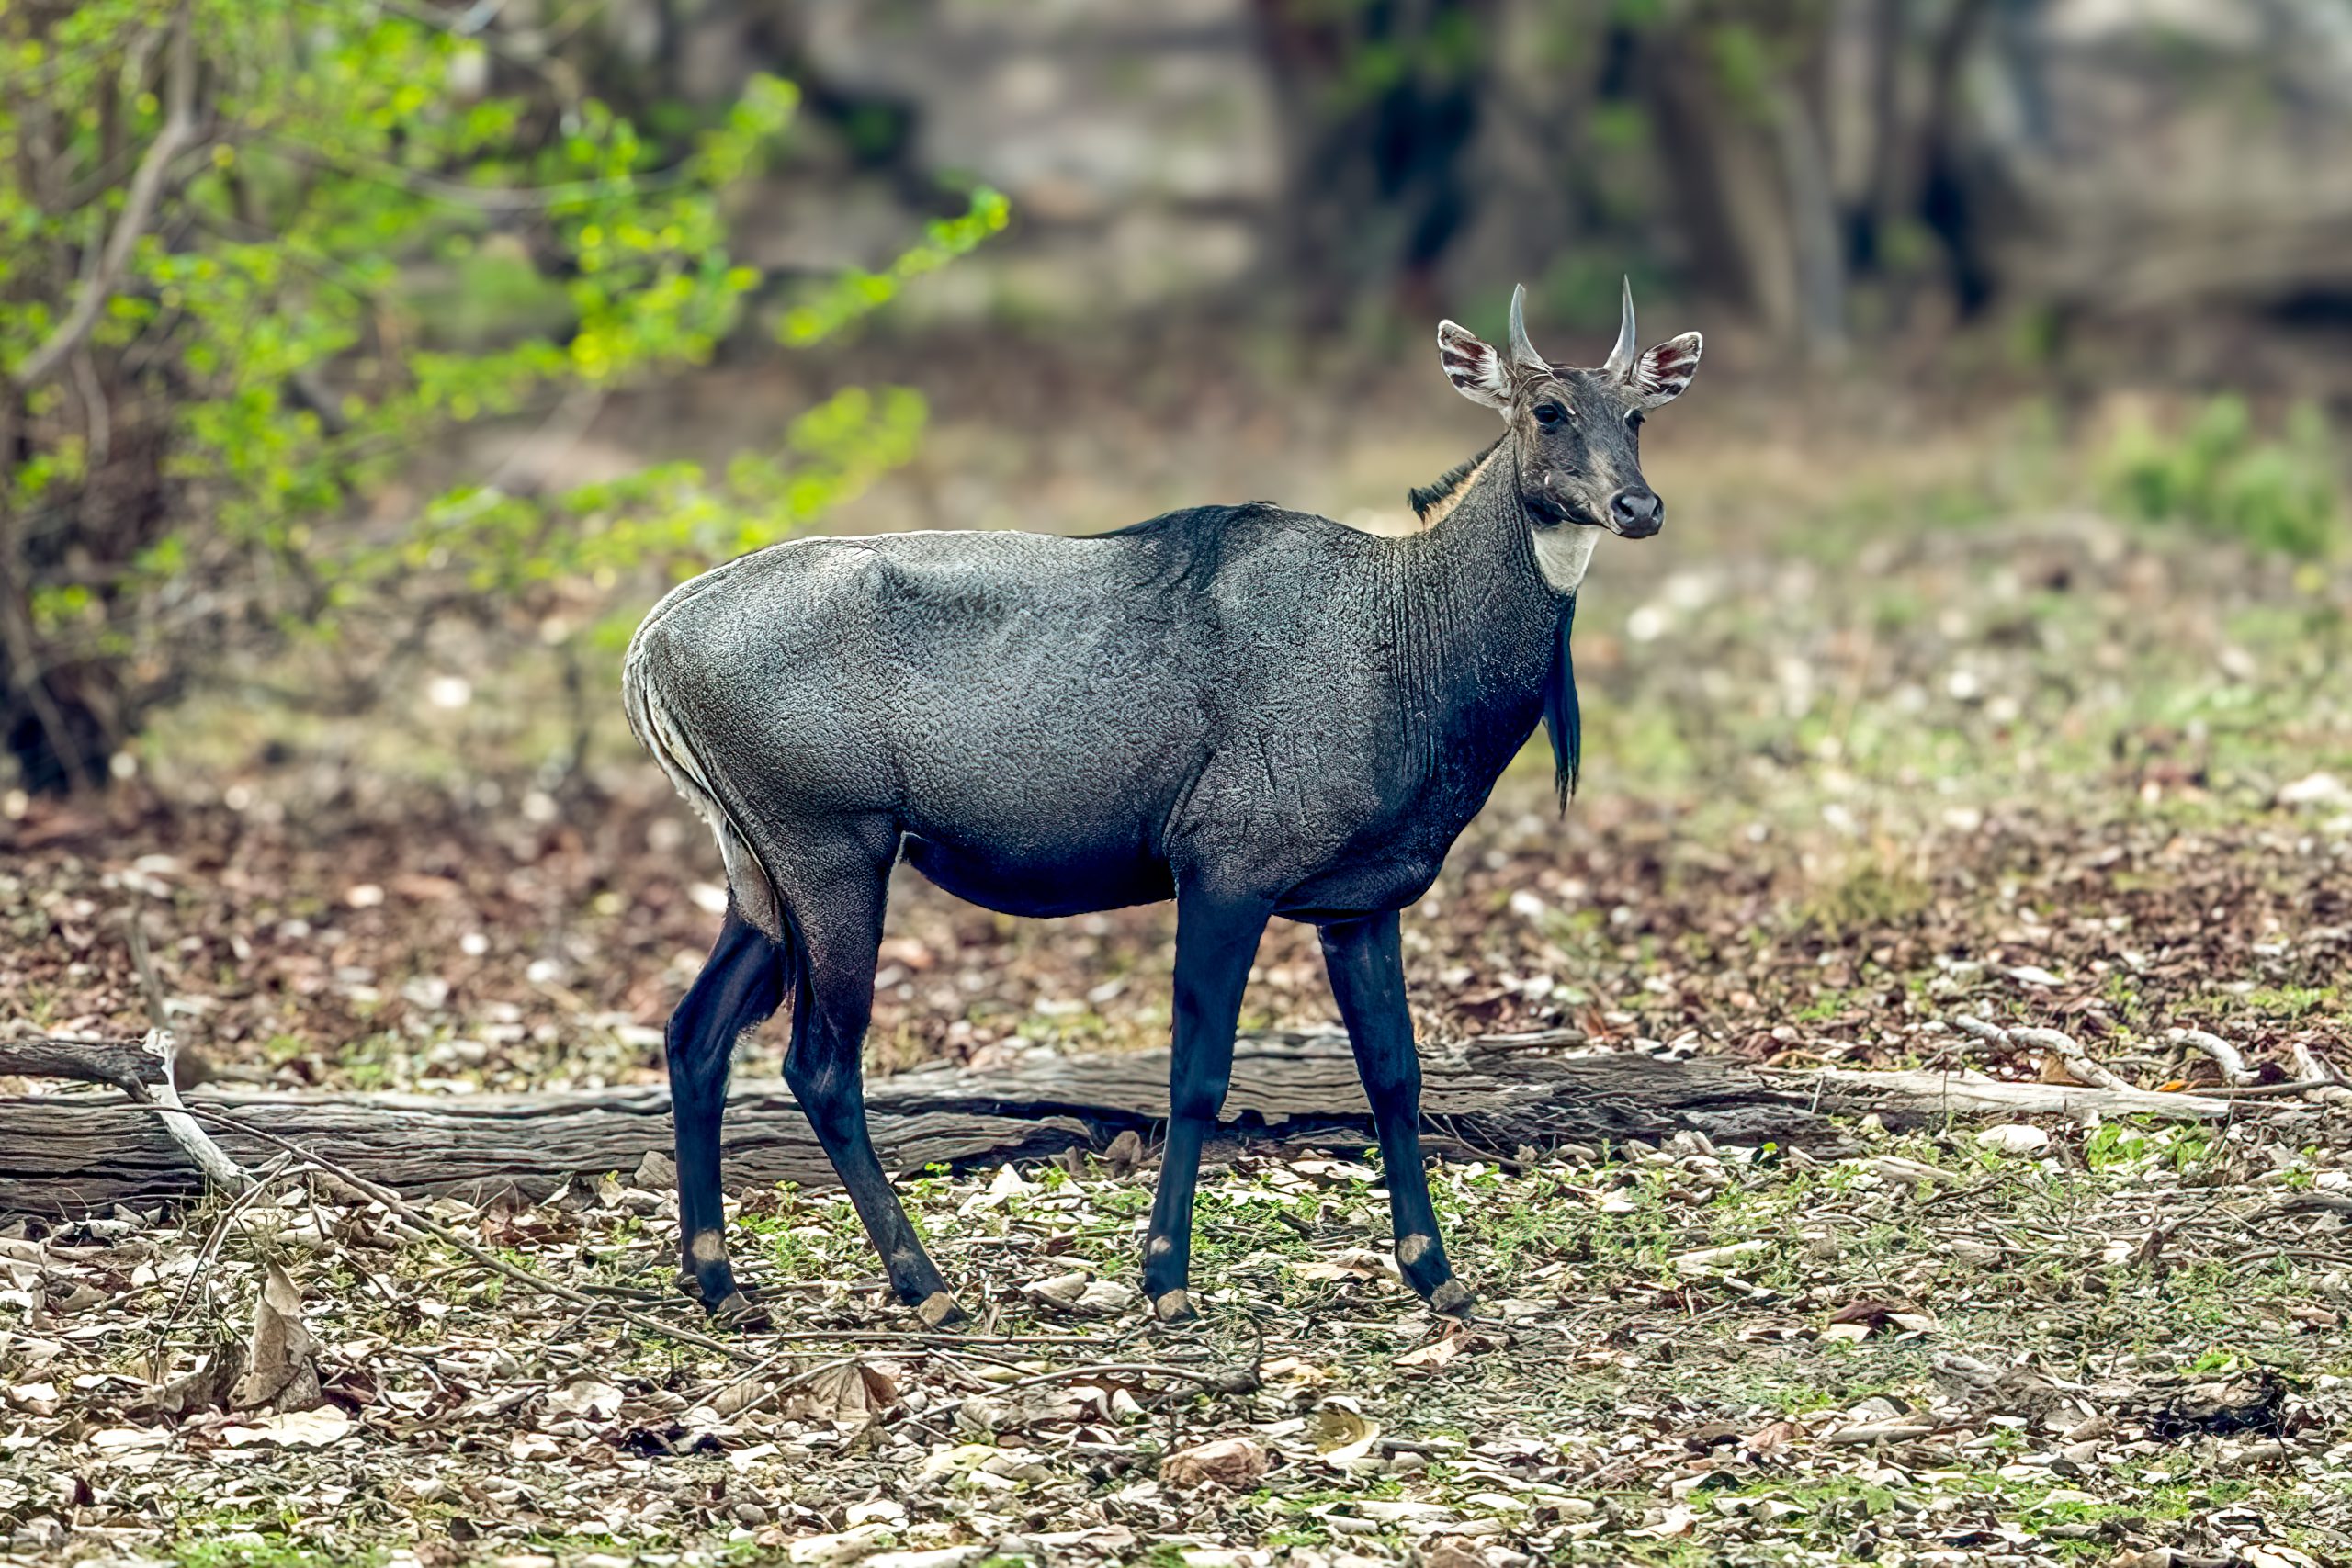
(2128, 1347)
(2045, 770)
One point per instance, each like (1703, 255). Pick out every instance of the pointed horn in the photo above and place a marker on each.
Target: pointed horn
(1522, 351)
(1620, 358)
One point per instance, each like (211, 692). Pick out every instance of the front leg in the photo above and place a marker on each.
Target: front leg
(1366, 960)
(1216, 938)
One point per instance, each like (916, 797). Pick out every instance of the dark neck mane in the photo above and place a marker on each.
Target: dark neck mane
(1500, 507)
(1425, 497)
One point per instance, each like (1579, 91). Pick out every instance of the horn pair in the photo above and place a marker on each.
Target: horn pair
(1522, 352)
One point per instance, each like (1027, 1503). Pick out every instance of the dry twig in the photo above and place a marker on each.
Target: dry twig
(2226, 1057)
(2077, 1060)
(214, 1161)
(2328, 1088)
(1232, 1380)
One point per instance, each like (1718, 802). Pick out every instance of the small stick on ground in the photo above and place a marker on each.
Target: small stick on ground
(1233, 1379)
(1991, 1034)
(2070, 1051)
(2226, 1057)
(2279, 1090)
(2309, 1067)
(213, 1160)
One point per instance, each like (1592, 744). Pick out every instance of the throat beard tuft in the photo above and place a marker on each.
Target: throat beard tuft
(1562, 719)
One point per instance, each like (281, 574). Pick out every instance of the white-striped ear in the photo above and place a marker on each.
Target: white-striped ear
(1662, 371)
(1473, 366)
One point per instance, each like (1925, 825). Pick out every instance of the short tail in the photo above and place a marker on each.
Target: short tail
(654, 721)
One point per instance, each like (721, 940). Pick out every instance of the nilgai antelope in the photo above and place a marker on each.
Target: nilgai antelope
(1253, 711)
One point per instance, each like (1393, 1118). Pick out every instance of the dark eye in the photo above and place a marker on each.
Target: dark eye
(1549, 415)
(1635, 417)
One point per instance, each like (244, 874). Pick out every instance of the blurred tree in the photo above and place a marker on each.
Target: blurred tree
(1380, 100)
(1736, 92)
(256, 256)
(1790, 158)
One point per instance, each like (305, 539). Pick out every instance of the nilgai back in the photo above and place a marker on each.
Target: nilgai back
(1253, 711)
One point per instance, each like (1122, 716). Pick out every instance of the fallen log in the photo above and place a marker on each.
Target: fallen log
(145, 1072)
(1491, 1098)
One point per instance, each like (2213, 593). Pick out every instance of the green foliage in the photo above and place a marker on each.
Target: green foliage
(1744, 67)
(858, 293)
(2220, 476)
(241, 1547)
(361, 252)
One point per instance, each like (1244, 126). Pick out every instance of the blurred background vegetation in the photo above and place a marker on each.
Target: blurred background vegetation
(367, 367)
(275, 271)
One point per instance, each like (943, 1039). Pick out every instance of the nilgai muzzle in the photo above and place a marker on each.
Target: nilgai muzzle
(1253, 711)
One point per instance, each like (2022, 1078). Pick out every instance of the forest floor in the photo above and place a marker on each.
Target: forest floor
(2120, 1345)
(1864, 753)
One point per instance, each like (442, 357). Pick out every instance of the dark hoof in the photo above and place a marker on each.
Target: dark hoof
(938, 1310)
(707, 1293)
(736, 1310)
(1174, 1306)
(1453, 1298)
(712, 1288)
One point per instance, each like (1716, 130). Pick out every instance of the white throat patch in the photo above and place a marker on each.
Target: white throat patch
(1563, 552)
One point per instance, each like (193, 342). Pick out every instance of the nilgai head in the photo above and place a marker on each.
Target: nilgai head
(1575, 434)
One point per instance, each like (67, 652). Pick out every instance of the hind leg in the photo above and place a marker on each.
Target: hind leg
(838, 930)
(738, 989)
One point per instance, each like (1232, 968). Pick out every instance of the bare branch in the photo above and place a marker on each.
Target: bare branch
(117, 1061)
(2226, 1057)
(1965, 1093)
(217, 1168)
(2078, 1061)
(2328, 1087)
(142, 960)
(2063, 1046)
(478, 198)
(1232, 1380)
(142, 1069)
(178, 133)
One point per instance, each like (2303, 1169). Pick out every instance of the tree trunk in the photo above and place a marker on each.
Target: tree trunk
(1493, 1099)
(1381, 105)
(1751, 185)
(1724, 183)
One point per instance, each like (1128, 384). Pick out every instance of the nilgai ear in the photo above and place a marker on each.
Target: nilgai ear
(1473, 366)
(1662, 371)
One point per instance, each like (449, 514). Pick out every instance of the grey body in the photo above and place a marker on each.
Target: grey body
(1057, 725)
(1255, 711)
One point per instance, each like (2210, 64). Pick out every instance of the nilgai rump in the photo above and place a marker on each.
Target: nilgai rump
(1254, 711)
